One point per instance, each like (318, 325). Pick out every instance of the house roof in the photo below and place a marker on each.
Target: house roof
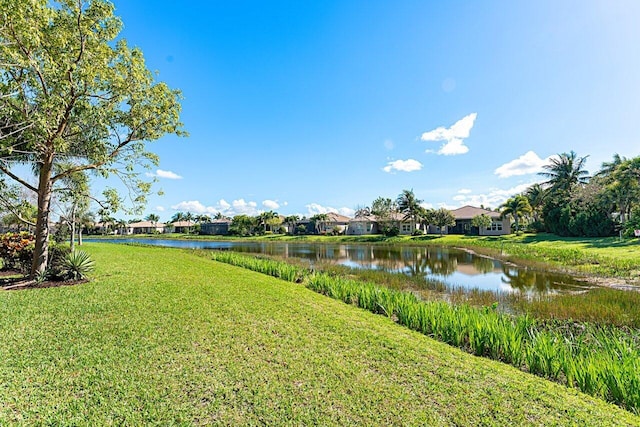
(468, 212)
(336, 217)
(183, 224)
(145, 224)
(220, 221)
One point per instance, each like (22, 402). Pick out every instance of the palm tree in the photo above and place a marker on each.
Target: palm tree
(565, 172)
(621, 184)
(178, 216)
(121, 225)
(409, 205)
(537, 196)
(516, 207)
(291, 222)
(426, 217)
(153, 219)
(318, 220)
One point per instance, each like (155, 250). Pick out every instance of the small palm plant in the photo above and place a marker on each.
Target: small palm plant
(78, 264)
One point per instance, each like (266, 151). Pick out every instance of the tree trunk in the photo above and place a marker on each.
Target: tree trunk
(80, 235)
(72, 240)
(45, 188)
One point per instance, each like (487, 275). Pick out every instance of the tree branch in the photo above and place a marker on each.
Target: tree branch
(18, 179)
(12, 209)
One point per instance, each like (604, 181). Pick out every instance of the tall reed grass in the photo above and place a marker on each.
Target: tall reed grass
(601, 362)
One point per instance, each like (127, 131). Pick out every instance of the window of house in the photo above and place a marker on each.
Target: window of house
(406, 227)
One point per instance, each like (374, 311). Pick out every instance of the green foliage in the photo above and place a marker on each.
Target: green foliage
(633, 223)
(516, 207)
(58, 254)
(390, 228)
(481, 221)
(243, 225)
(598, 362)
(78, 264)
(16, 250)
(443, 218)
(71, 89)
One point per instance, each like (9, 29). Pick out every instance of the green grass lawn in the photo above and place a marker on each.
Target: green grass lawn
(164, 336)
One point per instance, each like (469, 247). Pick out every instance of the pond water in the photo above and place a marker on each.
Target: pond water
(453, 267)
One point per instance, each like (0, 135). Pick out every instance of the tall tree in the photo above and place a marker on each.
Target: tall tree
(565, 172)
(409, 205)
(621, 182)
(443, 218)
(537, 196)
(291, 222)
(318, 220)
(516, 207)
(383, 208)
(69, 90)
(178, 216)
(153, 218)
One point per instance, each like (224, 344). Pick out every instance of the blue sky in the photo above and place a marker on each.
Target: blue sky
(304, 107)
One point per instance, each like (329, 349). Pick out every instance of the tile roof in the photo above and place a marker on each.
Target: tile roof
(468, 212)
(145, 224)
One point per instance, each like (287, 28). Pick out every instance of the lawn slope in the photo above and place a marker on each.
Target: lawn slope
(164, 336)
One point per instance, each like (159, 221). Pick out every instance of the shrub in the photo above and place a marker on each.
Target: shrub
(16, 251)
(57, 256)
(78, 264)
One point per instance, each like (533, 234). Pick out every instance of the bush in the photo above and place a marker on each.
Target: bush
(78, 264)
(417, 232)
(391, 231)
(57, 255)
(16, 251)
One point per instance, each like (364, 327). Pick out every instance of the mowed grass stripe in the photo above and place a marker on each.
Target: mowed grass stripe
(163, 336)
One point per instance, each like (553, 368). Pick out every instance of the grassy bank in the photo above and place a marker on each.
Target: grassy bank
(163, 336)
(599, 361)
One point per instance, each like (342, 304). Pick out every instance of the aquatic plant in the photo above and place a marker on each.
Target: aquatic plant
(601, 362)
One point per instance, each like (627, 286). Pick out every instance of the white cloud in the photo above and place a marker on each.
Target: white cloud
(194, 206)
(270, 204)
(526, 164)
(460, 198)
(408, 165)
(453, 148)
(494, 198)
(454, 136)
(315, 208)
(236, 207)
(464, 191)
(164, 174)
(240, 207)
(160, 208)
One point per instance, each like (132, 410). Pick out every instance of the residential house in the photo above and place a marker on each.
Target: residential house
(183, 226)
(499, 226)
(145, 227)
(217, 227)
(363, 224)
(335, 222)
(370, 224)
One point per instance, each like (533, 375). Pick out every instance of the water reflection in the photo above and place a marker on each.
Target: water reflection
(451, 266)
